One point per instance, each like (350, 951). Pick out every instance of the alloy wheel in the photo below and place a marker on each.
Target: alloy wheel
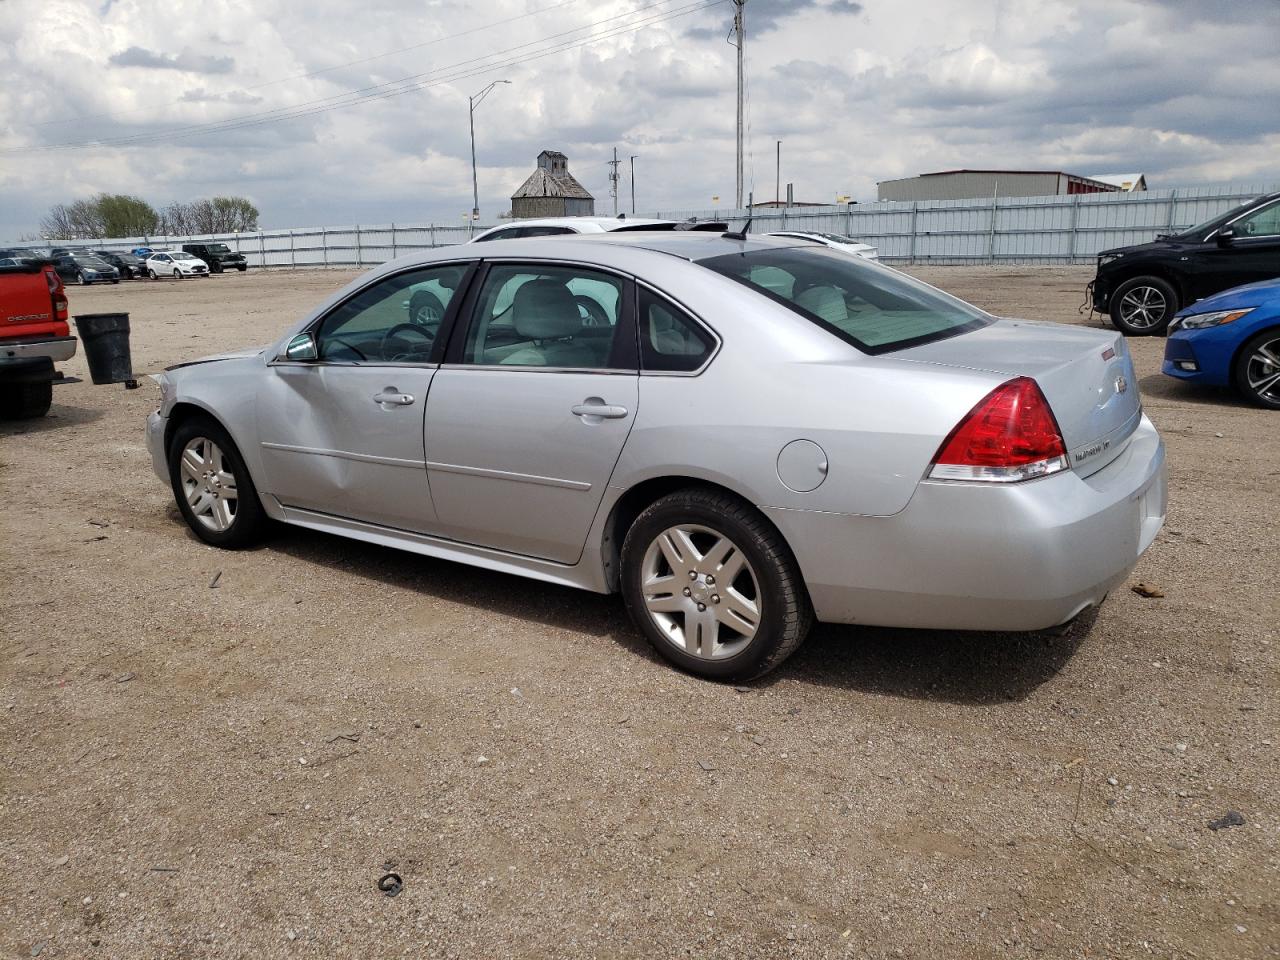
(1143, 307)
(208, 484)
(427, 315)
(1263, 370)
(701, 592)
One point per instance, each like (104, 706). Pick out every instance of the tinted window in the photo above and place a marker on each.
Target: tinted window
(867, 305)
(536, 316)
(1263, 223)
(544, 231)
(504, 234)
(670, 340)
(394, 321)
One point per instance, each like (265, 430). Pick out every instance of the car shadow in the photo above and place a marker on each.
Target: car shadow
(58, 417)
(950, 666)
(947, 666)
(1161, 387)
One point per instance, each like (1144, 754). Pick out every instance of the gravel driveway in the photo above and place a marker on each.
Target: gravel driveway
(191, 768)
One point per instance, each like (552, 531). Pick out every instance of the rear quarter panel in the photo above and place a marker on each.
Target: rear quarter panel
(778, 378)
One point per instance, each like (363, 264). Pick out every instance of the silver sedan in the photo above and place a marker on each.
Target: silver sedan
(739, 435)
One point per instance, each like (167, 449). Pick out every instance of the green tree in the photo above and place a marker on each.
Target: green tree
(125, 216)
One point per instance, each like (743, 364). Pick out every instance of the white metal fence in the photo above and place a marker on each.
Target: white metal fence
(1063, 229)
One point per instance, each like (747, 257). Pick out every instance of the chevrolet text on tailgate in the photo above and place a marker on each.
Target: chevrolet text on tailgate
(33, 336)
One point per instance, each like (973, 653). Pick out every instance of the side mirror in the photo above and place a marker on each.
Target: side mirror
(302, 348)
(1226, 236)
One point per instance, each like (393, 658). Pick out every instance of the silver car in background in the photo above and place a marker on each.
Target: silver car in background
(738, 434)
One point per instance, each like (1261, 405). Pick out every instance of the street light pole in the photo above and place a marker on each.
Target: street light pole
(633, 183)
(472, 103)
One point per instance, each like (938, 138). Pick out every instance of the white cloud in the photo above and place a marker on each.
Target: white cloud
(857, 92)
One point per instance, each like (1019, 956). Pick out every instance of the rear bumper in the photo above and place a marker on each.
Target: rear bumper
(56, 349)
(971, 556)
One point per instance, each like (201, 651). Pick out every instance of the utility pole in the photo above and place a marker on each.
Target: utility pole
(633, 183)
(777, 178)
(472, 103)
(613, 179)
(740, 37)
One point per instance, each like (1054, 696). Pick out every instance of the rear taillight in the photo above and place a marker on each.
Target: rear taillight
(57, 293)
(1010, 435)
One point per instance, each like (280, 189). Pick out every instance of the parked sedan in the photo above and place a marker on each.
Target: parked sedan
(758, 434)
(175, 263)
(85, 267)
(836, 241)
(1230, 340)
(128, 266)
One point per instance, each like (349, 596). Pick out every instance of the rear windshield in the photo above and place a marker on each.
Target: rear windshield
(873, 307)
(218, 248)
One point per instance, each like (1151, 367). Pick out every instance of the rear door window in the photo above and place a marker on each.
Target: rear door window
(868, 305)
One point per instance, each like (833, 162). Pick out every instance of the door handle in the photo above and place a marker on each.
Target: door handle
(606, 411)
(393, 398)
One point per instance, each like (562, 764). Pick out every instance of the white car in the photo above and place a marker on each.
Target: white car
(835, 241)
(174, 263)
(551, 226)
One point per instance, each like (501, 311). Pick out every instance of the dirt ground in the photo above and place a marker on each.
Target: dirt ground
(190, 770)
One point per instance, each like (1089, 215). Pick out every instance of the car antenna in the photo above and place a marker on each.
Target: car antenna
(738, 234)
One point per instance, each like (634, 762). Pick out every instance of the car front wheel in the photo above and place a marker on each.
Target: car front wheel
(81, 280)
(713, 587)
(1143, 306)
(212, 486)
(1257, 369)
(152, 275)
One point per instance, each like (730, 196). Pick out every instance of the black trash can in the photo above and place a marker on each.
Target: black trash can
(106, 346)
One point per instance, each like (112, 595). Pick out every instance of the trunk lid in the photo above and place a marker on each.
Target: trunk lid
(1086, 375)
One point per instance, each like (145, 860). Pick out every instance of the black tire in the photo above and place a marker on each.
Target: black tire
(177, 274)
(80, 279)
(243, 267)
(783, 603)
(152, 274)
(1248, 366)
(24, 401)
(1151, 304)
(215, 268)
(116, 280)
(250, 522)
(426, 310)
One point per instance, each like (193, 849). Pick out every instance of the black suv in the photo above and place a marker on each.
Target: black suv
(218, 256)
(1143, 286)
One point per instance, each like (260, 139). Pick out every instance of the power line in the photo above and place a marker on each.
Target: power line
(330, 69)
(379, 91)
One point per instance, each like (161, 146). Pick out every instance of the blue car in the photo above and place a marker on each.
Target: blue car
(1231, 339)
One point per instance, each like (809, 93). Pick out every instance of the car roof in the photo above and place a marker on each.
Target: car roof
(593, 224)
(686, 244)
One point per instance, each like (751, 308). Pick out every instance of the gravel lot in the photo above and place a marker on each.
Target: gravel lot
(197, 771)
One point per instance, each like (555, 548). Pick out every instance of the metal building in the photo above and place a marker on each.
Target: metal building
(552, 191)
(970, 184)
(1128, 182)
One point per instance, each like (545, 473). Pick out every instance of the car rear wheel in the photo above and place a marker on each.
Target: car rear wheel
(22, 401)
(212, 486)
(713, 587)
(1143, 306)
(426, 310)
(1257, 369)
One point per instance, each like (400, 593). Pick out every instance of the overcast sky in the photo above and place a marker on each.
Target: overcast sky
(1184, 90)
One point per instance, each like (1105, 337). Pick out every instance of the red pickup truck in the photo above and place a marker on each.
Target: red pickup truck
(33, 336)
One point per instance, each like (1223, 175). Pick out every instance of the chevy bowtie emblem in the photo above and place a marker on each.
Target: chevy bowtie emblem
(1121, 384)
